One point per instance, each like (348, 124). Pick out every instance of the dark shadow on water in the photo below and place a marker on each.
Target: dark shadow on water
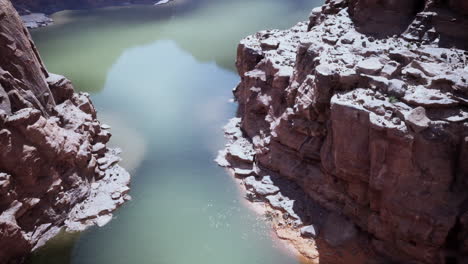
(57, 251)
(332, 247)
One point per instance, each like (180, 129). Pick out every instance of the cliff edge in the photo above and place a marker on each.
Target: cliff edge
(365, 108)
(55, 169)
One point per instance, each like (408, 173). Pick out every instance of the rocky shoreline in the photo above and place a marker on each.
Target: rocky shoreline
(36, 20)
(368, 117)
(56, 171)
(311, 232)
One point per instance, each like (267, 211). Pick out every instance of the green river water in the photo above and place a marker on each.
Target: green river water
(162, 77)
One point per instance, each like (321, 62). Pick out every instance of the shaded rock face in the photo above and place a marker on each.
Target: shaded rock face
(422, 20)
(55, 171)
(395, 16)
(373, 129)
(51, 6)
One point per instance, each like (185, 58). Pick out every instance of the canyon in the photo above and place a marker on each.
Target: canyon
(352, 128)
(130, 60)
(56, 172)
(350, 140)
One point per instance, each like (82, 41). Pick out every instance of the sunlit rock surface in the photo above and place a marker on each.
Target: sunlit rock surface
(35, 20)
(55, 169)
(365, 107)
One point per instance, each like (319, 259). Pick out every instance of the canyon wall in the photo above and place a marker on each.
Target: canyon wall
(365, 107)
(55, 169)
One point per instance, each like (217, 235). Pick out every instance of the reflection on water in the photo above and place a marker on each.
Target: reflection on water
(162, 77)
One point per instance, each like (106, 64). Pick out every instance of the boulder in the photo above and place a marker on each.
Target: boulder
(418, 120)
(369, 66)
(61, 87)
(309, 231)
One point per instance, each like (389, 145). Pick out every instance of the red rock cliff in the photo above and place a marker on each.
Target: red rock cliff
(55, 169)
(367, 111)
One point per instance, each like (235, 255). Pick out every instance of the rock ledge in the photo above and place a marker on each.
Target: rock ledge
(368, 117)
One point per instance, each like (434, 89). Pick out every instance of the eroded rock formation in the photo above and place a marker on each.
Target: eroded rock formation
(55, 169)
(365, 107)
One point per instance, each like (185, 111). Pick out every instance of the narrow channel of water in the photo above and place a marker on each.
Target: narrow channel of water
(162, 78)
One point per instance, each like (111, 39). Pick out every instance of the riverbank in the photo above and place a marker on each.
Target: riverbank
(36, 20)
(307, 230)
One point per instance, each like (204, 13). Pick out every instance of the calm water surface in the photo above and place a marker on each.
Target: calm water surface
(162, 78)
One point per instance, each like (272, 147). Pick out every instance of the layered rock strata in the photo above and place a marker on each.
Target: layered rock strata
(369, 118)
(55, 169)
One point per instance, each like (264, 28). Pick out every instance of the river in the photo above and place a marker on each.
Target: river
(162, 77)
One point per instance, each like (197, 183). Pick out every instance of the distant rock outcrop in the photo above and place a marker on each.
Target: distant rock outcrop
(365, 107)
(52, 6)
(35, 13)
(55, 170)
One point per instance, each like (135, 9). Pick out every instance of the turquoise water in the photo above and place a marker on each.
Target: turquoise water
(162, 78)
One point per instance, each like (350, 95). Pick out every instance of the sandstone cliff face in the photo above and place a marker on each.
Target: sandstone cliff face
(363, 109)
(55, 170)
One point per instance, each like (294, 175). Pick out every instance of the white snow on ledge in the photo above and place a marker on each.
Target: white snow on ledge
(162, 2)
